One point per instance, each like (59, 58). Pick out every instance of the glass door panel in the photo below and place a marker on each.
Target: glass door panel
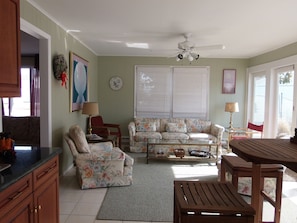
(285, 101)
(259, 91)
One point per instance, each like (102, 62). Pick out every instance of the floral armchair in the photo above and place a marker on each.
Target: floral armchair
(98, 164)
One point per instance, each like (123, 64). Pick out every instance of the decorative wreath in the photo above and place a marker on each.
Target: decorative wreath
(60, 68)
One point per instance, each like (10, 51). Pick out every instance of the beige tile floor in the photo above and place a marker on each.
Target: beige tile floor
(81, 206)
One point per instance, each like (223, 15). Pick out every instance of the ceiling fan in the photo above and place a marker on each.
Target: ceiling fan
(187, 49)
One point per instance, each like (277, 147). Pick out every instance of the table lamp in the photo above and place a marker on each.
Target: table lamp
(231, 107)
(90, 108)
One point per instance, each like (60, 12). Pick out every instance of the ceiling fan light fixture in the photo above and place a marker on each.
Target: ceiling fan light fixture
(187, 54)
(180, 56)
(190, 58)
(195, 56)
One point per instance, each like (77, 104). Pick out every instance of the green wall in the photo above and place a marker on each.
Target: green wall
(117, 106)
(277, 54)
(62, 43)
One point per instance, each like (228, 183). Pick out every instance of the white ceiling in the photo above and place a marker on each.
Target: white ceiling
(246, 27)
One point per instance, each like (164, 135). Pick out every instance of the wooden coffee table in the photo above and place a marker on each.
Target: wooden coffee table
(181, 143)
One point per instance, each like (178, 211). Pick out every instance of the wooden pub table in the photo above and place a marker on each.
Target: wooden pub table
(264, 151)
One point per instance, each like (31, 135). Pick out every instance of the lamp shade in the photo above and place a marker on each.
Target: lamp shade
(90, 108)
(231, 107)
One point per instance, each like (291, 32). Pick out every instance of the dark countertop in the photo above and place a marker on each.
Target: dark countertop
(27, 159)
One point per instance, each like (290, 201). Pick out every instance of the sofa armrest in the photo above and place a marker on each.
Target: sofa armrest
(129, 161)
(132, 128)
(132, 131)
(118, 153)
(217, 131)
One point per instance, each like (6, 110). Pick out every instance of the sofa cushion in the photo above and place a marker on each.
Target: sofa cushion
(163, 124)
(176, 127)
(174, 135)
(148, 126)
(143, 136)
(155, 120)
(79, 138)
(197, 125)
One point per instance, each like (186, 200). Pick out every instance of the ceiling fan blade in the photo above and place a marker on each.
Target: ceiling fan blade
(211, 47)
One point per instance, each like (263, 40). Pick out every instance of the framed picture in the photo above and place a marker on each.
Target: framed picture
(78, 82)
(229, 81)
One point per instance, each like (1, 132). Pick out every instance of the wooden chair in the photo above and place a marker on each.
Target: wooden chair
(105, 129)
(238, 167)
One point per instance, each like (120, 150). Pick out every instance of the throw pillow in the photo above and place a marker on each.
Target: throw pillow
(146, 126)
(176, 127)
(79, 138)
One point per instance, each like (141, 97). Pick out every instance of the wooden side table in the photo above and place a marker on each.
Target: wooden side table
(110, 138)
(208, 202)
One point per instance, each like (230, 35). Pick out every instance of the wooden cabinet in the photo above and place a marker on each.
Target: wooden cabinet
(10, 82)
(34, 198)
(16, 201)
(46, 192)
(21, 213)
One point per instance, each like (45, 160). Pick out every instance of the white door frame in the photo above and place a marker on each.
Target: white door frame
(45, 81)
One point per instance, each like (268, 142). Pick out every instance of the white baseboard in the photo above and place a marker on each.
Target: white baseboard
(68, 169)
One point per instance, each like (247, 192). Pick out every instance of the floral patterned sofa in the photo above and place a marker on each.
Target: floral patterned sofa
(98, 164)
(142, 129)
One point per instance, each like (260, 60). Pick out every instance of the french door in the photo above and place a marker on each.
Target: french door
(271, 100)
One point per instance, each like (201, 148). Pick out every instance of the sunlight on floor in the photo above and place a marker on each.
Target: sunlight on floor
(186, 171)
(290, 191)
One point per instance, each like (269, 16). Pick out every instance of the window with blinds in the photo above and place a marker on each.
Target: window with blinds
(166, 91)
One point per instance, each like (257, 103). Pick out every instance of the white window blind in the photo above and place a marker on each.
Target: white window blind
(153, 91)
(190, 92)
(162, 91)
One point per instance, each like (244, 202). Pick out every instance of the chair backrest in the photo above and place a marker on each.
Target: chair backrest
(254, 127)
(71, 145)
(97, 120)
(97, 124)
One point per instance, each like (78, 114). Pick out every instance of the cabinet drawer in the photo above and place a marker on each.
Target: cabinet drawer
(43, 173)
(14, 194)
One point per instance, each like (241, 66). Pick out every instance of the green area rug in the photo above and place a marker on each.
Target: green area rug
(150, 198)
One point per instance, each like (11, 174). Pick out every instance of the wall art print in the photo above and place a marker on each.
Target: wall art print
(229, 81)
(78, 81)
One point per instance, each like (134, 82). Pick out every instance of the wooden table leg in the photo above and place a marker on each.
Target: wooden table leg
(223, 171)
(257, 199)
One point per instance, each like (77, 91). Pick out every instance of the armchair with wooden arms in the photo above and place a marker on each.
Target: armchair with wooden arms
(106, 129)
